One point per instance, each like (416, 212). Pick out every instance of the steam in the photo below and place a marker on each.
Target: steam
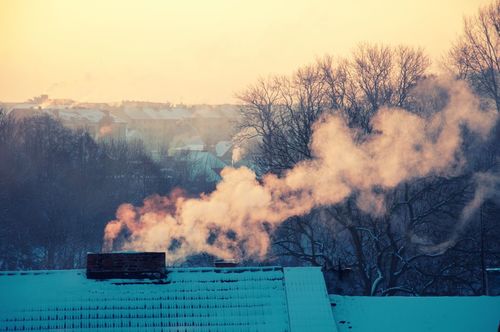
(487, 187)
(236, 219)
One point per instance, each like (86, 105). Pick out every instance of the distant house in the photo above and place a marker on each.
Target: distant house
(154, 124)
(100, 124)
(188, 143)
(223, 151)
(184, 299)
(201, 165)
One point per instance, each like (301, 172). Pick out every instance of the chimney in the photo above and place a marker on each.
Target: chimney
(126, 265)
(225, 263)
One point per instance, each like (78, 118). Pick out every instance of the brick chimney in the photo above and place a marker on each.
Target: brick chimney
(225, 263)
(126, 265)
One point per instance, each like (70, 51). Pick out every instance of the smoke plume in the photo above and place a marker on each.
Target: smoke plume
(487, 186)
(235, 220)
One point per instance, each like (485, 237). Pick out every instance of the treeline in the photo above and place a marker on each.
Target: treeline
(59, 187)
(420, 245)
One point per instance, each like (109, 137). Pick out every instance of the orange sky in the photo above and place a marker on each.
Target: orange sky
(196, 51)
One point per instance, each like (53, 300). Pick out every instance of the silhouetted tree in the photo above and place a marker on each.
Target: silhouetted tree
(475, 56)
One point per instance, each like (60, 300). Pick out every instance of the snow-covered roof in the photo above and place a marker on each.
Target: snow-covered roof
(89, 115)
(222, 147)
(219, 111)
(416, 314)
(84, 115)
(22, 105)
(188, 299)
(204, 164)
(148, 113)
(194, 143)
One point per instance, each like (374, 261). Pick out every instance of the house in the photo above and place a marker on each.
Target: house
(224, 151)
(135, 292)
(155, 124)
(123, 294)
(100, 124)
(201, 166)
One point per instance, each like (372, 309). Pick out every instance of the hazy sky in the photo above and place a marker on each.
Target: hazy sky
(197, 51)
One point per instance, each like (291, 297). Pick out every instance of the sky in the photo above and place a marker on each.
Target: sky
(197, 51)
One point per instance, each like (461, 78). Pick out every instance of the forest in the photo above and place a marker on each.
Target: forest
(432, 235)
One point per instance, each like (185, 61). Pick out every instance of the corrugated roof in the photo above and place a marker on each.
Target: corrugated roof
(192, 299)
(308, 302)
(416, 314)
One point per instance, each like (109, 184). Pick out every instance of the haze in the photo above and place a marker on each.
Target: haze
(196, 51)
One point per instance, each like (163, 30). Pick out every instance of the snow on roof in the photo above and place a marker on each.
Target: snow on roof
(216, 111)
(83, 115)
(148, 113)
(416, 314)
(207, 113)
(24, 106)
(117, 119)
(208, 299)
(204, 164)
(194, 143)
(222, 147)
(308, 303)
(90, 115)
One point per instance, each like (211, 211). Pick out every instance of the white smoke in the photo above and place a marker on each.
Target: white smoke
(487, 186)
(235, 220)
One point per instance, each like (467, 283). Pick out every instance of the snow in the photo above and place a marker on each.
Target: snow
(90, 115)
(416, 314)
(204, 165)
(222, 147)
(194, 143)
(308, 303)
(147, 113)
(215, 299)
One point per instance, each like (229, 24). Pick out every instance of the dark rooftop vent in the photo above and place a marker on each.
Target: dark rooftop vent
(225, 263)
(126, 265)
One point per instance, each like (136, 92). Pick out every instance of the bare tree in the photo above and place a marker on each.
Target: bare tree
(383, 255)
(475, 55)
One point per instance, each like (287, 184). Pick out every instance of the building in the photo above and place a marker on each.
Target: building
(201, 166)
(154, 124)
(415, 313)
(100, 124)
(266, 298)
(136, 292)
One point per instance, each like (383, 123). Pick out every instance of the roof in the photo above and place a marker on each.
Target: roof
(194, 143)
(148, 113)
(222, 147)
(209, 299)
(416, 314)
(88, 115)
(205, 165)
(85, 115)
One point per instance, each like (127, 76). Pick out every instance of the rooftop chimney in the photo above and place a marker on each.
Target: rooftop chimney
(225, 263)
(126, 265)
